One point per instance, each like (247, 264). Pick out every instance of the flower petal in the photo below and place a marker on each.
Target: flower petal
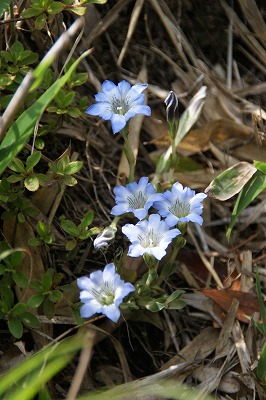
(102, 109)
(118, 122)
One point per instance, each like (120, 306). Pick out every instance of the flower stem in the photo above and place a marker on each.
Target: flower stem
(131, 160)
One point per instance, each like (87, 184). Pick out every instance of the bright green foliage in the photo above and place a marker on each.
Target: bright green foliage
(62, 170)
(44, 235)
(243, 178)
(261, 367)
(15, 64)
(249, 192)
(21, 208)
(47, 292)
(24, 172)
(43, 11)
(10, 275)
(3, 6)
(231, 181)
(80, 232)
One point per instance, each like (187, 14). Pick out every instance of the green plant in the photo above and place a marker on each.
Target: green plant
(243, 178)
(15, 63)
(24, 172)
(63, 169)
(16, 313)
(47, 292)
(44, 235)
(78, 233)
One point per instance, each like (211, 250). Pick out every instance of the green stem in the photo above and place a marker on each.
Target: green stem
(174, 159)
(129, 155)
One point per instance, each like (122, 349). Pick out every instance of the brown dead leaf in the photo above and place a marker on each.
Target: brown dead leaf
(248, 302)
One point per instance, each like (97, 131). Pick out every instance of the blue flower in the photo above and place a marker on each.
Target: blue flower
(103, 292)
(119, 103)
(135, 197)
(150, 236)
(180, 205)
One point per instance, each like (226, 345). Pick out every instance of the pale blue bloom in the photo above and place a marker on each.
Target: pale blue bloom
(150, 236)
(180, 205)
(103, 292)
(135, 197)
(119, 103)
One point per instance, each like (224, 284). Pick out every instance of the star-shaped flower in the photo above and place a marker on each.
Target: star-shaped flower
(134, 197)
(103, 292)
(180, 205)
(150, 236)
(119, 103)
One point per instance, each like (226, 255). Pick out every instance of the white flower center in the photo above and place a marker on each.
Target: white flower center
(105, 294)
(137, 201)
(150, 239)
(180, 209)
(119, 106)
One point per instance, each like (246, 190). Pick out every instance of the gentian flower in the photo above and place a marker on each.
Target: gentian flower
(105, 238)
(150, 236)
(180, 205)
(135, 197)
(103, 292)
(119, 103)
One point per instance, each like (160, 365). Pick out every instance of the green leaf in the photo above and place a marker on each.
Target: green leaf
(73, 167)
(34, 241)
(20, 279)
(261, 302)
(250, 191)
(261, 166)
(15, 327)
(42, 229)
(18, 309)
(55, 296)
(87, 220)
(40, 22)
(78, 10)
(55, 8)
(17, 166)
(49, 308)
(46, 282)
(69, 180)
(31, 12)
(71, 244)
(261, 368)
(79, 79)
(155, 306)
(231, 181)
(7, 296)
(33, 160)
(30, 320)
(36, 300)
(31, 183)
(176, 305)
(3, 6)
(74, 112)
(175, 295)
(23, 127)
(70, 227)
(17, 48)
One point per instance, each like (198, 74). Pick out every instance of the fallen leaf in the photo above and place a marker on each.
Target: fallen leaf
(248, 302)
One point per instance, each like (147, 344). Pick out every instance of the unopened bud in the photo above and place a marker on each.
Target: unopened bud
(105, 238)
(171, 102)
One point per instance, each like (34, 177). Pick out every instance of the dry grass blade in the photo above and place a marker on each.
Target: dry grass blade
(245, 34)
(131, 27)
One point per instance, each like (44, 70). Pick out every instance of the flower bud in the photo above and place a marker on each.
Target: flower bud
(171, 102)
(105, 238)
